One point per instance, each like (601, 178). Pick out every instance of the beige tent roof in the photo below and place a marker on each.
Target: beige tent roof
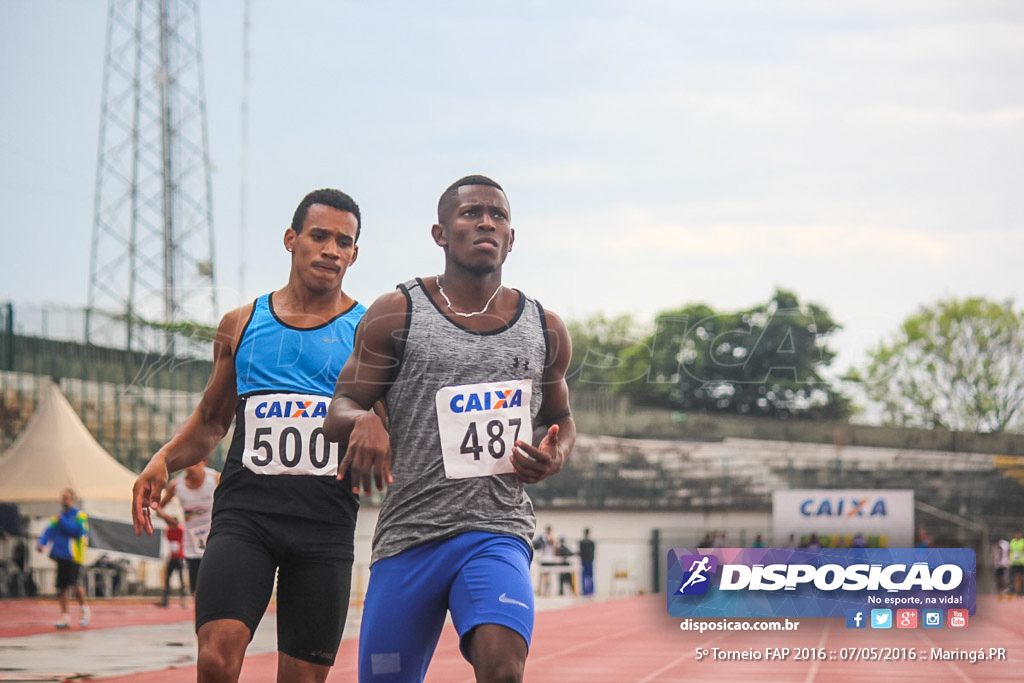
(54, 452)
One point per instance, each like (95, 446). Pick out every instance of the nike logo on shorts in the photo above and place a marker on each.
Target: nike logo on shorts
(511, 601)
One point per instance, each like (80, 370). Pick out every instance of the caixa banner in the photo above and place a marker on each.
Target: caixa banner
(795, 582)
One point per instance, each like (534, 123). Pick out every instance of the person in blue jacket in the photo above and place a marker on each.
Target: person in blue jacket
(68, 535)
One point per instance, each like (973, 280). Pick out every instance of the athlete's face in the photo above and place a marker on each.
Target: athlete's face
(325, 248)
(477, 234)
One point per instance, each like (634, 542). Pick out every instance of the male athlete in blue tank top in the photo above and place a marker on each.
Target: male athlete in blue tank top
(472, 374)
(281, 510)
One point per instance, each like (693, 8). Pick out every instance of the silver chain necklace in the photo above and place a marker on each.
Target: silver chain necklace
(447, 301)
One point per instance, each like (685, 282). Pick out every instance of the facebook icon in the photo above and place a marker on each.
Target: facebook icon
(855, 618)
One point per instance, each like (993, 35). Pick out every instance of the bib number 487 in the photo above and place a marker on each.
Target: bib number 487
(479, 425)
(495, 433)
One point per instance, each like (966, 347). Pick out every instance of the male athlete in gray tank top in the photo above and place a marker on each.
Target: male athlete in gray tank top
(472, 374)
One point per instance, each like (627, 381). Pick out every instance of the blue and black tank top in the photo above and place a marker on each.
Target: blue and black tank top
(279, 461)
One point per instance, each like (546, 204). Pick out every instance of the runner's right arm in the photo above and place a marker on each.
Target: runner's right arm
(201, 431)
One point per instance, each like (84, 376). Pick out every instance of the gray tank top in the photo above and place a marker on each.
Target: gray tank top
(442, 367)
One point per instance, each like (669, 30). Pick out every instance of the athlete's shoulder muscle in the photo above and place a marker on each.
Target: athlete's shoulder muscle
(231, 327)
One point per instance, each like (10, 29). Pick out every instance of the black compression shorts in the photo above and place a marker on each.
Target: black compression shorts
(193, 571)
(314, 575)
(67, 574)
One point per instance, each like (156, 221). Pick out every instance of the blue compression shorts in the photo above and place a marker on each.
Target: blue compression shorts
(481, 578)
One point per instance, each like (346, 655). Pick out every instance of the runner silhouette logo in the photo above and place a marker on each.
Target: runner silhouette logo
(697, 578)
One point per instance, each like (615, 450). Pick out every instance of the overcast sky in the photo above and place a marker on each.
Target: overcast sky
(868, 156)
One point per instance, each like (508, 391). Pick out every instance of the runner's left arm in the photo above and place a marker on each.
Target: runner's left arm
(555, 431)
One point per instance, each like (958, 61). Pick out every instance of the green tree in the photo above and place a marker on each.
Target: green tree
(766, 360)
(958, 364)
(598, 346)
(763, 361)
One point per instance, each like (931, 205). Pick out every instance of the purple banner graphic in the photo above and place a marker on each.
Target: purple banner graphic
(794, 582)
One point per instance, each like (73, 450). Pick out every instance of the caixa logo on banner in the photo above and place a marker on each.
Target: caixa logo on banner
(843, 507)
(788, 582)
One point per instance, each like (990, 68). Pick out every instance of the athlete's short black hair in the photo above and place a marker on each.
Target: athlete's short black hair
(336, 199)
(449, 195)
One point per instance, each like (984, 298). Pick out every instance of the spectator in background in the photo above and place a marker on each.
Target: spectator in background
(194, 489)
(68, 535)
(1017, 564)
(546, 553)
(20, 582)
(564, 552)
(19, 556)
(176, 559)
(1001, 564)
(587, 563)
(758, 543)
(813, 542)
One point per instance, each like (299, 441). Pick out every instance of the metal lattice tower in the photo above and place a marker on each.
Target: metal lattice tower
(152, 243)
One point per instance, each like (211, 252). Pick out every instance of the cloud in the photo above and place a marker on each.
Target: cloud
(669, 234)
(940, 116)
(570, 173)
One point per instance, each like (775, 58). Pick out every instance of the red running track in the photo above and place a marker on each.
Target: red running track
(633, 640)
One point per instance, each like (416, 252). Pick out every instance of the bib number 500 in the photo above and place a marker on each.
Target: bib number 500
(283, 435)
(290, 447)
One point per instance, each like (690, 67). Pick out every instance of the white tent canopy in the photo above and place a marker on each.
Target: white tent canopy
(54, 452)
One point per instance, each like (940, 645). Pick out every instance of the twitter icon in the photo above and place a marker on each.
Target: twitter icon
(881, 618)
